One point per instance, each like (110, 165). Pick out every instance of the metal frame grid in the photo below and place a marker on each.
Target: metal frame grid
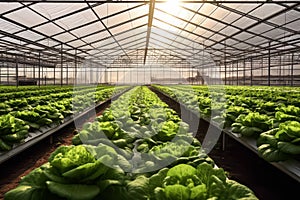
(247, 42)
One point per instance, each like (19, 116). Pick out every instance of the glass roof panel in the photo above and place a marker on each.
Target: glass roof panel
(229, 30)
(88, 29)
(285, 17)
(54, 10)
(121, 28)
(190, 27)
(208, 23)
(243, 36)
(77, 19)
(231, 17)
(109, 9)
(219, 13)
(131, 32)
(30, 20)
(134, 43)
(270, 8)
(49, 29)
(49, 42)
(65, 37)
(9, 27)
(117, 19)
(139, 22)
(169, 19)
(164, 26)
(76, 43)
(294, 25)
(160, 32)
(30, 35)
(243, 22)
(35, 47)
(199, 31)
(11, 40)
(132, 39)
(217, 37)
(274, 33)
(255, 40)
(104, 43)
(198, 19)
(207, 9)
(97, 36)
(207, 34)
(245, 8)
(260, 28)
(5, 7)
(218, 27)
(138, 11)
(219, 46)
(240, 45)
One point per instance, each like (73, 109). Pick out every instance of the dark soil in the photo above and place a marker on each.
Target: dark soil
(246, 167)
(21, 164)
(33, 157)
(241, 164)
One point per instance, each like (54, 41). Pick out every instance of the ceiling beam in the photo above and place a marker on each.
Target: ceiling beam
(150, 20)
(258, 23)
(162, 1)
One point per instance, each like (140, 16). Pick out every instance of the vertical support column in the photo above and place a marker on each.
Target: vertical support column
(244, 63)
(130, 76)
(25, 66)
(46, 76)
(91, 74)
(280, 79)
(2, 65)
(225, 66)
(170, 81)
(110, 76)
(39, 75)
(237, 73)
(144, 74)
(85, 75)
(17, 73)
(7, 75)
(75, 75)
(118, 75)
(105, 75)
(137, 74)
(251, 71)
(124, 73)
(269, 66)
(292, 70)
(225, 72)
(164, 73)
(67, 75)
(99, 75)
(61, 65)
(33, 72)
(54, 74)
(262, 80)
(42, 73)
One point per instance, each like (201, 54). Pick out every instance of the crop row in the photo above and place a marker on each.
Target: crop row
(20, 116)
(138, 149)
(269, 115)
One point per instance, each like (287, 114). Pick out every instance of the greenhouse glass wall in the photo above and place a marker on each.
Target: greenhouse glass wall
(144, 42)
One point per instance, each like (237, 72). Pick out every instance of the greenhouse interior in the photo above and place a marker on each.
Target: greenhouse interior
(150, 99)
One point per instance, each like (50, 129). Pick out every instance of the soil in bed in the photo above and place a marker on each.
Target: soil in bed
(241, 164)
(20, 165)
(245, 166)
(23, 163)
